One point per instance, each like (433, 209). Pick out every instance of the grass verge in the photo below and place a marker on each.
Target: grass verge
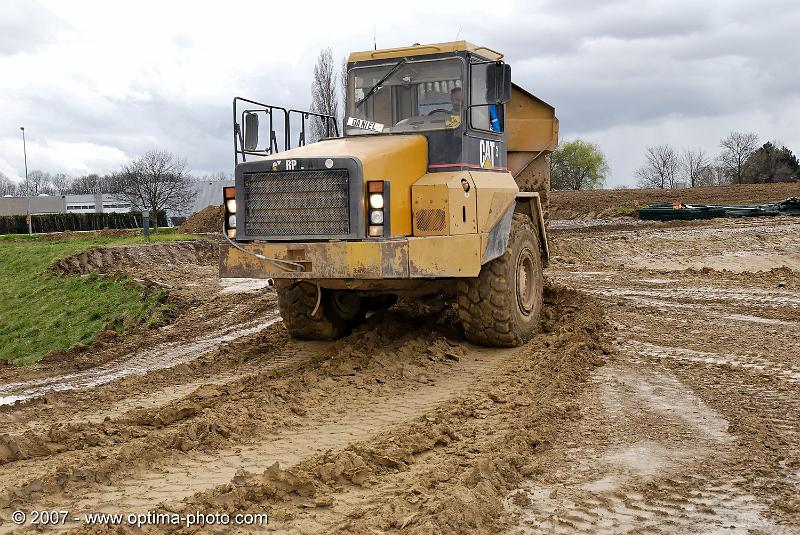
(41, 313)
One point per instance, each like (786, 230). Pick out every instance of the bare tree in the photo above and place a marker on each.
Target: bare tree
(91, 183)
(85, 184)
(693, 163)
(156, 181)
(713, 175)
(660, 169)
(324, 96)
(61, 183)
(38, 183)
(736, 148)
(218, 176)
(7, 186)
(343, 81)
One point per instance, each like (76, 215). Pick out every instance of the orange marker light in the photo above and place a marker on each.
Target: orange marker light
(375, 187)
(229, 193)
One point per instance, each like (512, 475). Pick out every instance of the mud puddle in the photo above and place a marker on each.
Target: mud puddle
(239, 286)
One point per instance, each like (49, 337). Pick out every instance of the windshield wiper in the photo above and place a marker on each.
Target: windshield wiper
(377, 85)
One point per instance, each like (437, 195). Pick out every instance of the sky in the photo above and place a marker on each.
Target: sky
(96, 83)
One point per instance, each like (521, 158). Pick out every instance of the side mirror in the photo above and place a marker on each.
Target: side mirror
(250, 131)
(498, 78)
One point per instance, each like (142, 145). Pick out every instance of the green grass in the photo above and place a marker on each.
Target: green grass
(625, 209)
(40, 312)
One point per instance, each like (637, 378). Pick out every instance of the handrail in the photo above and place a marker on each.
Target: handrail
(238, 131)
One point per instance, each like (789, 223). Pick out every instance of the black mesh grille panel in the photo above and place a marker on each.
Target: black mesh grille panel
(297, 203)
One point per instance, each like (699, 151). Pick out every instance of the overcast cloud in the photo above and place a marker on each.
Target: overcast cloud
(95, 83)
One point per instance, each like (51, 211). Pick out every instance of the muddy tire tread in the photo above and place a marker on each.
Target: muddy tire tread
(484, 302)
(296, 303)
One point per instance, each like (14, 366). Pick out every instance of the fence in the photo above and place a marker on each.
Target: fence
(16, 224)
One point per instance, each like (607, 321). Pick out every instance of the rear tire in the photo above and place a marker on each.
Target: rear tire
(501, 307)
(337, 314)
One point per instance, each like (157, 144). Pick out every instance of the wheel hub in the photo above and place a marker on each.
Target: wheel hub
(525, 281)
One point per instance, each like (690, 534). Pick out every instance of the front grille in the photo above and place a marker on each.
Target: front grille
(297, 203)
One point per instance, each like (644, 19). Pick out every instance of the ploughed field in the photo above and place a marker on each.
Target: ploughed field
(663, 395)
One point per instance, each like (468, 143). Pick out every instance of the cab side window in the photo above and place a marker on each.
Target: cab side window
(483, 115)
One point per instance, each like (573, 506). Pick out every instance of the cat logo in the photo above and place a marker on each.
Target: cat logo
(489, 150)
(275, 165)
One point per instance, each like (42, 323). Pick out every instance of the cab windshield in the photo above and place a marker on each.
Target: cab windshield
(405, 96)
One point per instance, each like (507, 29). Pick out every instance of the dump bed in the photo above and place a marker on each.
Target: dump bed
(531, 134)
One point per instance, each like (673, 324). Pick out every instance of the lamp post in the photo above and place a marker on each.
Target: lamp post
(25, 153)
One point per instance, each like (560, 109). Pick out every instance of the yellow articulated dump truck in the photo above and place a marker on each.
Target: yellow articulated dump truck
(437, 185)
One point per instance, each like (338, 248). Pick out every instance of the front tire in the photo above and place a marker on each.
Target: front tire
(338, 311)
(501, 307)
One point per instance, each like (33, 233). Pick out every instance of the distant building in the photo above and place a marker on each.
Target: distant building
(42, 204)
(209, 192)
(59, 204)
(104, 203)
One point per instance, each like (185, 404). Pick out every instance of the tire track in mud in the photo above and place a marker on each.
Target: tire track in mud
(365, 418)
(327, 372)
(165, 356)
(728, 339)
(750, 362)
(737, 246)
(102, 446)
(659, 469)
(394, 401)
(446, 470)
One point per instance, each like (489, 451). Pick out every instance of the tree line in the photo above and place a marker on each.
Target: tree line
(741, 161)
(154, 181)
(579, 165)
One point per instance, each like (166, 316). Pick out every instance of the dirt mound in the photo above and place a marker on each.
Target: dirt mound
(624, 203)
(102, 233)
(118, 232)
(209, 219)
(112, 259)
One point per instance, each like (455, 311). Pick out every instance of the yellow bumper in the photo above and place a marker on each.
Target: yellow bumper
(406, 258)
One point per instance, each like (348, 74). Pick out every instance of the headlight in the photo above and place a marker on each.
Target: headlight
(376, 201)
(376, 217)
(232, 221)
(230, 204)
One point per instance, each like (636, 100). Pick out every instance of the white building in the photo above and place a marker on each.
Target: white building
(59, 204)
(101, 203)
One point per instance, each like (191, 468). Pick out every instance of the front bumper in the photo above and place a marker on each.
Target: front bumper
(405, 258)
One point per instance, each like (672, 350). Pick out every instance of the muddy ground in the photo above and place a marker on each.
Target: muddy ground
(661, 397)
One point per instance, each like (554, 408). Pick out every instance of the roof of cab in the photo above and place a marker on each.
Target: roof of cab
(421, 50)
